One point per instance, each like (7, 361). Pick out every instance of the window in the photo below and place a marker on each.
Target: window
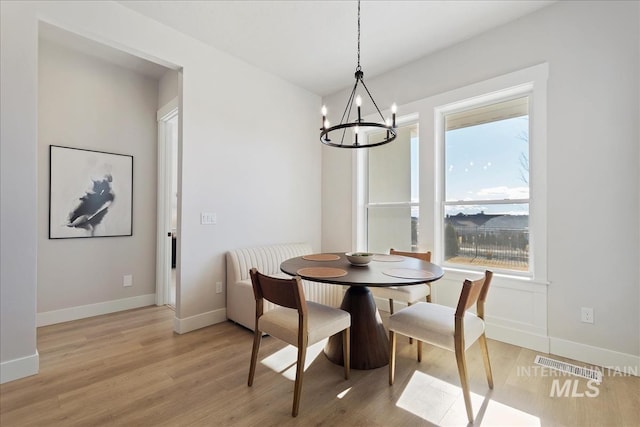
(480, 198)
(391, 205)
(486, 186)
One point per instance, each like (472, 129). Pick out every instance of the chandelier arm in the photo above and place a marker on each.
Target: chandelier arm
(347, 110)
(373, 100)
(349, 103)
(344, 131)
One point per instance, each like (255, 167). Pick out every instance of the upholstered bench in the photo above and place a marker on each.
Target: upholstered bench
(241, 305)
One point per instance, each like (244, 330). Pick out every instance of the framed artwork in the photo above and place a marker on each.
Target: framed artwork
(90, 193)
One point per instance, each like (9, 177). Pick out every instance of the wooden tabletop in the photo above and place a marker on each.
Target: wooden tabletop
(374, 274)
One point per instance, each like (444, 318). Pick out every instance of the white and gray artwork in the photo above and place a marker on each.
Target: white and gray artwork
(90, 193)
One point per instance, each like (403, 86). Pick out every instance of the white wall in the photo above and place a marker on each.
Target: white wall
(84, 102)
(249, 153)
(167, 88)
(593, 160)
(18, 219)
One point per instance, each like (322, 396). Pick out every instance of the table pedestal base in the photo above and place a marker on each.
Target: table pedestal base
(369, 342)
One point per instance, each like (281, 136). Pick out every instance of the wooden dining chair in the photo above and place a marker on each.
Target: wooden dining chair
(408, 294)
(296, 321)
(450, 328)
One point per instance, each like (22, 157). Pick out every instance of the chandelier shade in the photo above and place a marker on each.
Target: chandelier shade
(363, 133)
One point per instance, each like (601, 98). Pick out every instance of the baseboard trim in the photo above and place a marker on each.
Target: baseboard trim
(22, 367)
(188, 324)
(612, 361)
(517, 337)
(90, 310)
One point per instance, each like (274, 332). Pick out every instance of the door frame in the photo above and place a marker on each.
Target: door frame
(163, 243)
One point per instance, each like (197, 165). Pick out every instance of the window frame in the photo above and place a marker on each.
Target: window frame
(531, 82)
(361, 162)
(458, 107)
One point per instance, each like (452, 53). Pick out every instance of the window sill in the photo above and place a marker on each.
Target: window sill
(461, 274)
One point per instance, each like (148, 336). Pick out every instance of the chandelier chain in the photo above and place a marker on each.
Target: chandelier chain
(358, 68)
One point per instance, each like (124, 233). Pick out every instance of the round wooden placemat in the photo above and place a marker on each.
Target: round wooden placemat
(408, 273)
(322, 272)
(321, 257)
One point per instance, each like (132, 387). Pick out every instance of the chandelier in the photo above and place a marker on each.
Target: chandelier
(364, 134)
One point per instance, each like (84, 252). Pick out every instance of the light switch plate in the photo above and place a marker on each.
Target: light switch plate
(208, 218)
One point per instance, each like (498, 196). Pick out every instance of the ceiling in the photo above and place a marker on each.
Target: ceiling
(313, 43)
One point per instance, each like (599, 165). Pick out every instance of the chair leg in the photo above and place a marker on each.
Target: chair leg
(346, 351)
(302, 353)
(464, 381)
(429, 296)
(410, 339)
(257, 336)
(392, 357)
(419, 350)
(390, 306)
(485, 357)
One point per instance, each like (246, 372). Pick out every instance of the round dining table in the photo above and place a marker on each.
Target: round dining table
(369, 342)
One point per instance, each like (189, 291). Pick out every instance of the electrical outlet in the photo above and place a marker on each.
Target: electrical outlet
(218, 287)
(587, 315)
(127, 280)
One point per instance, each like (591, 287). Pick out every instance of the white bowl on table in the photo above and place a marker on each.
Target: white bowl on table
(359, 258)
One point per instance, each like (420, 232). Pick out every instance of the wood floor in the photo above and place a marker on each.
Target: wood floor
(130, 369)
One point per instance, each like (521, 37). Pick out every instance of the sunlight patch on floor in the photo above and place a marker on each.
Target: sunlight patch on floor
(441, 403)
(284, 361)
(428, 397)
(498, 414)
(343, 393)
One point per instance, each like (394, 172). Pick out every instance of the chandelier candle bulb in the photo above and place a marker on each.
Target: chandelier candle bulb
(356, 129)
(359, 103)
(394, 108)
(324, 117)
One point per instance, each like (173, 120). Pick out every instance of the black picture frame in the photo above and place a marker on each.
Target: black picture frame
(90, 193)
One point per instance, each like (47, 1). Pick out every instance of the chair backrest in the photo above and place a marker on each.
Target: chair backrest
(424, 256)
(474, 291)
(284, 292)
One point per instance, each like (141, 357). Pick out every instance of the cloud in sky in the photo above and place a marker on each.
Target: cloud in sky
(503, 192)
